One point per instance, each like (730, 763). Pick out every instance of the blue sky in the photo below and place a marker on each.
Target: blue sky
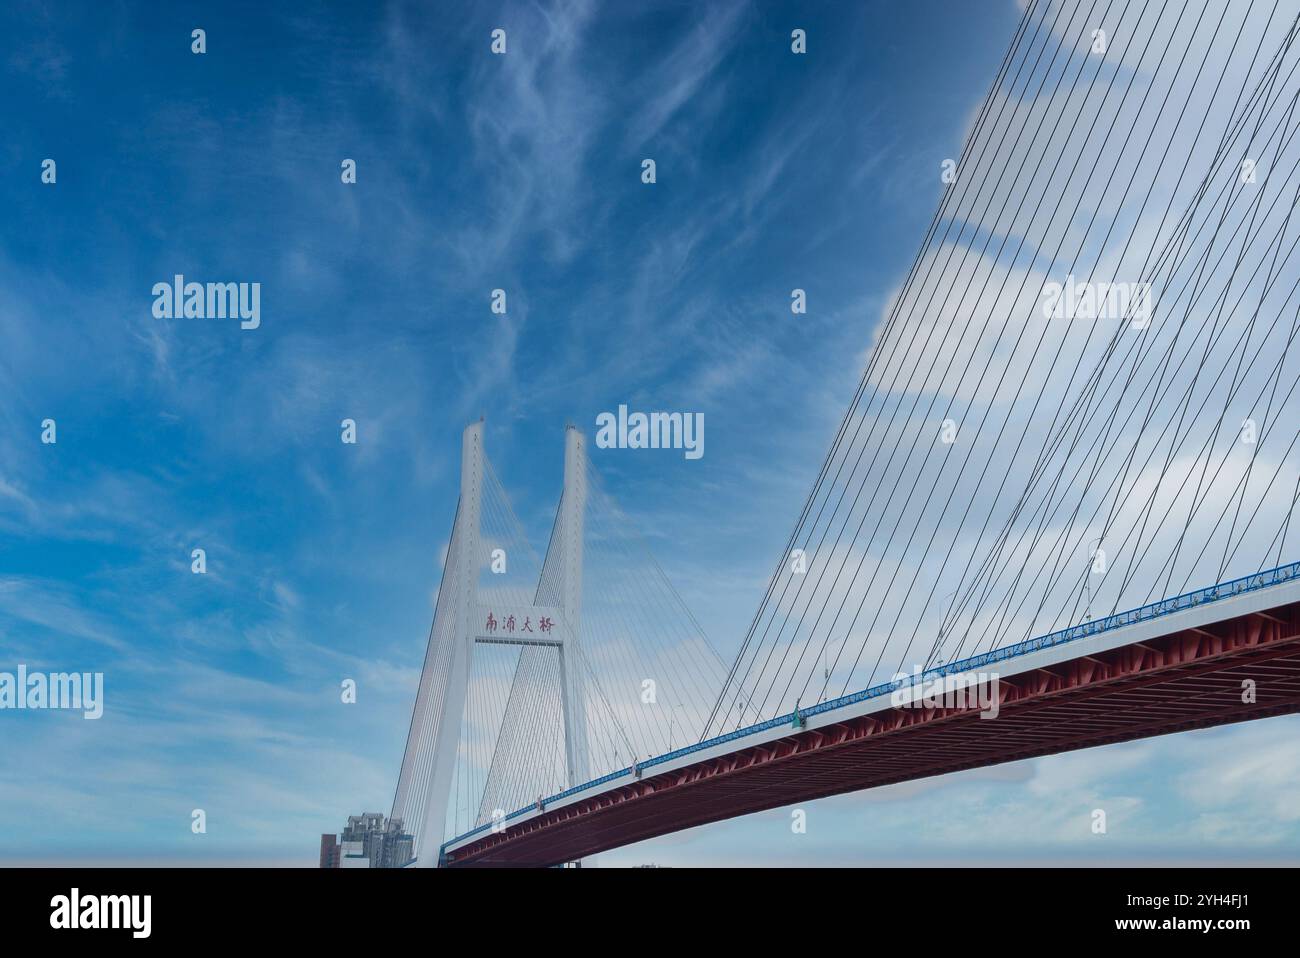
(474, 172)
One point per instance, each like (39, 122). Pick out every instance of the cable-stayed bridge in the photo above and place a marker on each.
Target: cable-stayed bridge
(543, 673)
(1063, 489)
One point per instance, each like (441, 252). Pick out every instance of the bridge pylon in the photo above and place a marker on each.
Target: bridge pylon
(464, 566)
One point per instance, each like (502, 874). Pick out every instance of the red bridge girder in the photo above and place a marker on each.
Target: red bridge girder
(1188, 679)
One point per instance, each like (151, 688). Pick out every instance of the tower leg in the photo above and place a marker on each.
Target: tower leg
(465, 565)
(573, 693)
(573, 697)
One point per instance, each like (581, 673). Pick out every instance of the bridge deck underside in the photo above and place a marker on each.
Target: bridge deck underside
(1190, 679)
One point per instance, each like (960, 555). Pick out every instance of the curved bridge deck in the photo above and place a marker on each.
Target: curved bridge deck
(1225, 654)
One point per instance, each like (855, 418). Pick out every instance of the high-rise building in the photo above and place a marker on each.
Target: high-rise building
(353, 855)
(399, 846)
(329, 851)
(368, 841)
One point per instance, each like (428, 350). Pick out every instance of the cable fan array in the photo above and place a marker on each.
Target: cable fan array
(1018, 458)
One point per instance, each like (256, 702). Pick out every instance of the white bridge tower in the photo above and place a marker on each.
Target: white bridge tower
(475, 623)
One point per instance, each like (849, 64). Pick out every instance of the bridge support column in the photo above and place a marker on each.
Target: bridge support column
(463, 566)
(573, 694)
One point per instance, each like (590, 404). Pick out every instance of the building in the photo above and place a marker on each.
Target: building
(353, 855)
(329, 851)
(368, 841)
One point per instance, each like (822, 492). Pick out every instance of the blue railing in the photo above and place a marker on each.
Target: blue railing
(1224, 590)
